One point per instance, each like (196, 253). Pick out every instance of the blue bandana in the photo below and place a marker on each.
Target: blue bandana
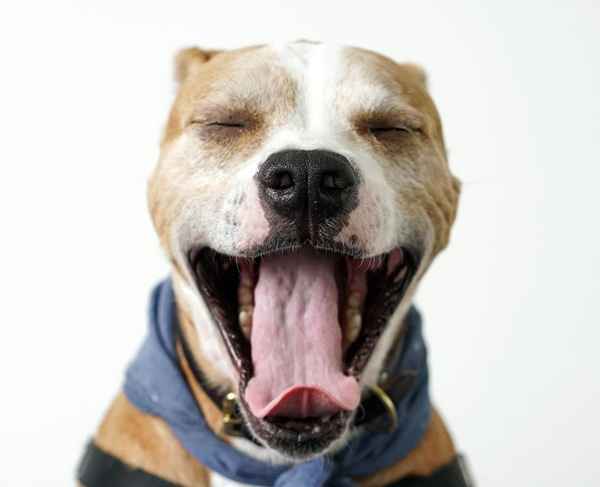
(155, 385)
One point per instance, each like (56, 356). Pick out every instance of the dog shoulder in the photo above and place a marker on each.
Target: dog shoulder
(146, 442)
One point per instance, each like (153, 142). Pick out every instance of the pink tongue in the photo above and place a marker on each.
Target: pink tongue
(297, 340)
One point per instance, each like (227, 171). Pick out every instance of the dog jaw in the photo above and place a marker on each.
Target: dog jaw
(204, 191)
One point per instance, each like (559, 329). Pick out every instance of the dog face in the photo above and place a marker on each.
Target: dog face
(301, 193)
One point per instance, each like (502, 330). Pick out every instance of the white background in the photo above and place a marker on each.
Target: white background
(512, 313)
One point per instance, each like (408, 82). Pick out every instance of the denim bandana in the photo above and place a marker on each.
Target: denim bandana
(155, 385)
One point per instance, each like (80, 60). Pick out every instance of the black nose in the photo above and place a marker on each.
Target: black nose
(308, 187)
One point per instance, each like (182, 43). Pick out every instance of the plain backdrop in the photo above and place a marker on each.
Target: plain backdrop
(511, 307)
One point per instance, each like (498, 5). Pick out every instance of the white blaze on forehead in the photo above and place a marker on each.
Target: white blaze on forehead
(315, 69)
(319, 87)
(326, 73)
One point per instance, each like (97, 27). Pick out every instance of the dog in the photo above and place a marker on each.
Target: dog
(301, 194)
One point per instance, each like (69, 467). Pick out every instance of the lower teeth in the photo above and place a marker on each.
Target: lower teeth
(245, 318)
(246, 302)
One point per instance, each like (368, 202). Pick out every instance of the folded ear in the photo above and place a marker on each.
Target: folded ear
(188, 60)
(416, 72)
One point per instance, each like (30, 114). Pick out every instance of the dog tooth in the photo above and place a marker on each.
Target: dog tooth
(351, 313)
(354, 300)
(245, 317)
(353, 328)
(247, 332)
(245, 295)
(245, 279)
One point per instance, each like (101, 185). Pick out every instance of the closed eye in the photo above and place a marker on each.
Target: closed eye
(226, 124)
(382, 130)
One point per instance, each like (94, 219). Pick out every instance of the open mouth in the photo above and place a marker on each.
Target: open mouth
(300, 327)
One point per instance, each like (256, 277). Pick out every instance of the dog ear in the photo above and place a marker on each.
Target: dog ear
(188, 60)
(416, 72)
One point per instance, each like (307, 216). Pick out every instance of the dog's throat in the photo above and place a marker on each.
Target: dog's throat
(296, 340)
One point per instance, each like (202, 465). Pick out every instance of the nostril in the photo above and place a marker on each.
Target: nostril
(333, 181)
(280, 180)
(285, 180)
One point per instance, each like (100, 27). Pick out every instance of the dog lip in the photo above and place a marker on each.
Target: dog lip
(275, 247)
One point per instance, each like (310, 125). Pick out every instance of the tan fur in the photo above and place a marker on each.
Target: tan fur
(146, 442)
(188, 61)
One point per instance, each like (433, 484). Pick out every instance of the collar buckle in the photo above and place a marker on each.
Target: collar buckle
(232, 421)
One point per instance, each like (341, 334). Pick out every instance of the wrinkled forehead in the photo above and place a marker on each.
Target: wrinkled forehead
(315, 81)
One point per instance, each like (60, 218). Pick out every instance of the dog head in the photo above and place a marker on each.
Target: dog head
(301, 193)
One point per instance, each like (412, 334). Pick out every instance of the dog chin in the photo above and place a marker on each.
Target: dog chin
(300, 326)
(278, 453)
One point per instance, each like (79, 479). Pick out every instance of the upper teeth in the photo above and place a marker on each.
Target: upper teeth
(354, 300)
(246, 302)
(245, 295)
(353, 322)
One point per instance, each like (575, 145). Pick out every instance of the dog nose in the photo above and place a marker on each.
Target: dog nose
(308, 186)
